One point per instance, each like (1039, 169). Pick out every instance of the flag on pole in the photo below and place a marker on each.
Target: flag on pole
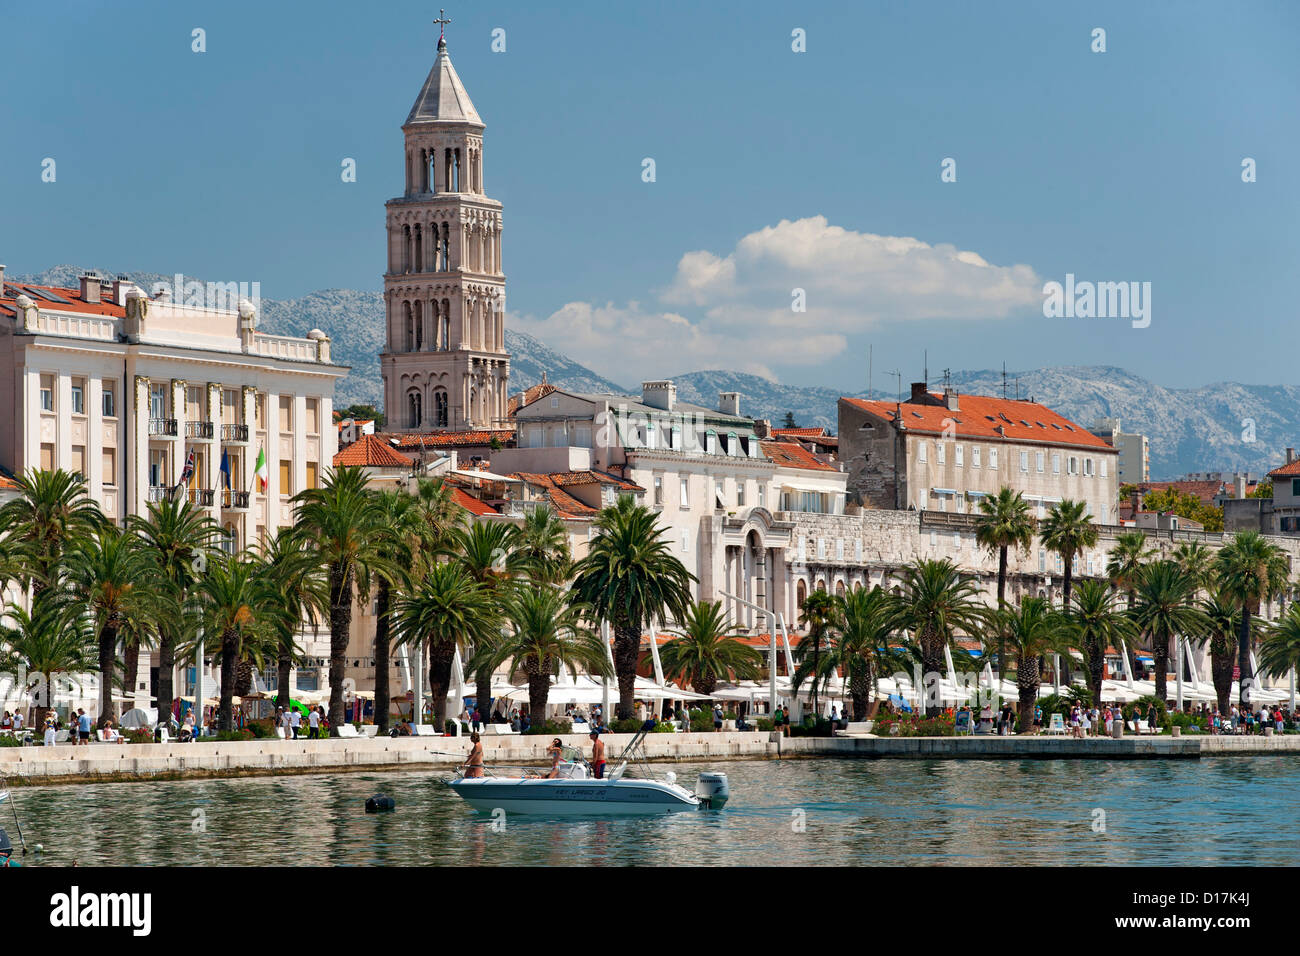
(186, 473)
(260, 471)
(225, 470)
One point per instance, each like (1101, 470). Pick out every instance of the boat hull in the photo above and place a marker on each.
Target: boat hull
(573, 797)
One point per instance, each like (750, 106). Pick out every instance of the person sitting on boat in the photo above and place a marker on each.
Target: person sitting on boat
(556, 751)
(597, 756)
(473, 765)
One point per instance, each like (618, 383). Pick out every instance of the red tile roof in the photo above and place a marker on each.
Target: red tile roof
(978, 416)
(565, 478)
(10, 292)
(470, 503)
(447, 438)
(1291, 470)
(371, 451)
(800, 432)
(1203, 490)
(529, 396)
(790, 455)
(565, 505)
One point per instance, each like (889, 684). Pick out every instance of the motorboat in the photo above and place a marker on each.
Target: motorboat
(575, 791)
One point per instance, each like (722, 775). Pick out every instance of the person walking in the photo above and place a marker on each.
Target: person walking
(83, 727)
(295, 721)
(51, 727)
(313, 724)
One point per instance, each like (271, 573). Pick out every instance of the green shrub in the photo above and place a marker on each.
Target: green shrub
(664, 727)
(912, 725)
(731, 715)
(262, 728)
(766, 724)
(1142, 705)
(701, 720)
(225, 736)
(552, 728)
(628, 726)
(1188, 722)
(8, 741)
(141, 736)
(810, 727)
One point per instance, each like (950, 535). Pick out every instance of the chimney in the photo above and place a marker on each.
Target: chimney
(1239, 481)
(950, 399)
(661, 395)
(90, 288)
(763, 428)
(729, 403)
(920, 394)
(121, 285)
(1290, 455)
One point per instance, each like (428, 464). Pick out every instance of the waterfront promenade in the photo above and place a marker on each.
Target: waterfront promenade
(66, 764)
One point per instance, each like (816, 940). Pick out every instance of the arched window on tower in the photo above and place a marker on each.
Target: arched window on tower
(406, 248)
(424, 171)
(414, 409)
(440, 408)
(446, 248)
(447, 172)
(446, 325)
(419, 248)
(409, 325)
(419, 326)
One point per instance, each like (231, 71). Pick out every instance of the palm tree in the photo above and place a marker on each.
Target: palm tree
(488, 551)
(50, 515)
(1069, 531)
(1252, 570)
(1003, 523)
(436, 503)
(54, 638)
(706, 648)
(543, 546)
(443, 610)
(119, 584)
(1222, 617)
(179, 538)
(1097, 622)
(938, 601)
(1163, 611)
(293, 574)
(409, 535)
(628, 576)
(1280, 651)
(1033, 630)
(546, 633)
(341, 520)
(817, 610)
(1127, 559)
(15, 558)
(238, 606)
(1197, 560)
(863, 628)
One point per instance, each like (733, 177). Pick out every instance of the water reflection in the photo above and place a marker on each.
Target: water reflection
(797, 813)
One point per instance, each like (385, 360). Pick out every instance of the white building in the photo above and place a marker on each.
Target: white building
(1134, 460)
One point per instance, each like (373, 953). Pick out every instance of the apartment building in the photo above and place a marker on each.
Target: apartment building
(1134, 461)
(126, 390)
(944, 451)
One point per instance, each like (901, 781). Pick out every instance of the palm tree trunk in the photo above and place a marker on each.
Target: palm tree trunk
(243, 677)
(1002, 600)
(931, 663)
(1160, 652)
(483, 692)
(627, 649)
(340, 631)
(130, 667)
(860, 691)
(166, 662)
(1096, 667)
(283, 665)
(1130, 646)
(1069, 582)
(1027, 686)
(1243, 654)
(226, 710)
(1221, 669)
(539, 690)
(107, 668)
(440, 660)
(382, 644)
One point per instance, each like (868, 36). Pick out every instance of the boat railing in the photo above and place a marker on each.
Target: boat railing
(569, 770)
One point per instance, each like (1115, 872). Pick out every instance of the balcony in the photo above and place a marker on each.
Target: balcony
(157, 493)
(234, 433)
(234, 500)
(202, 497)
(165, 427)
(198, 430)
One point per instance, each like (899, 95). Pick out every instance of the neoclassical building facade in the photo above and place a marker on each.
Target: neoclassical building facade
(444, 363)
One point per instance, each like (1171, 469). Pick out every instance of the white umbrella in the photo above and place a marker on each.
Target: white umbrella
(137, 718)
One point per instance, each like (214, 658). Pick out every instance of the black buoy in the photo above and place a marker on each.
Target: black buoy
(380, 803)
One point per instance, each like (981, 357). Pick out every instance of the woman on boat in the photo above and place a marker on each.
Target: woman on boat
(556, 751)
(473, 764)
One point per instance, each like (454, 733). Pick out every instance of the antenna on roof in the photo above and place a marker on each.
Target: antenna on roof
(1017, 388)
(925, 369)
(870, 350)
(899, 377)
(1004, 381)
(947, 377)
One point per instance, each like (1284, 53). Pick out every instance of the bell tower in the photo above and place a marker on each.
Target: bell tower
(444, 363)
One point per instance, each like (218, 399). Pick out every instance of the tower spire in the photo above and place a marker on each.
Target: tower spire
(442, 21)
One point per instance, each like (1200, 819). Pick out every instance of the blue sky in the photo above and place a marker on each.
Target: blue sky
(775, 170)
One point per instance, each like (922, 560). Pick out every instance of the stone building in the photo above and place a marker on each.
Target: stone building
(444, 363)
(945, 451)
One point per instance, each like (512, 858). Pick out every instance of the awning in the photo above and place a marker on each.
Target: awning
(485, 476)
(943, 491)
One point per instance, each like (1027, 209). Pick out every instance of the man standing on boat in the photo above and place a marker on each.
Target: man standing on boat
(597, 756)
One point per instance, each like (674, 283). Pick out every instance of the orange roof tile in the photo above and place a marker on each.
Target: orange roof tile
(1286, 471)
(588, 477)
(530, 395)
(1203, 490)
(11, 290)
(790, 455)
(565, 505)
(371, 451)
(800, 432)
(470, 503)
(447, 438)
(979, 416)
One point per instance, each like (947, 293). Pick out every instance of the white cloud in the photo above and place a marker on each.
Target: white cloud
(739, 306)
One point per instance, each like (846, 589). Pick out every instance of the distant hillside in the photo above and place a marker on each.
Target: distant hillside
(1198, 429)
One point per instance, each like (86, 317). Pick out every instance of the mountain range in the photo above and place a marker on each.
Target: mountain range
(1224, 426)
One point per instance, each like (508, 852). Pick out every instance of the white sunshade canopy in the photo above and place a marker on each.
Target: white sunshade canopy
(486, 476)
(588, 690)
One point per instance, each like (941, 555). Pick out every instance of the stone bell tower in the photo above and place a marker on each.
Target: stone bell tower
(444, 363)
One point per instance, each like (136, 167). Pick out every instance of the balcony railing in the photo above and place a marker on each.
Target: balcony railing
(198, 429)
(234, 499)
(157, 493)
(203, 497)
(162, 426)
(234, 433)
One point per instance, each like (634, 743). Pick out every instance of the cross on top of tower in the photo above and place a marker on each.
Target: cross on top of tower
(442, 21)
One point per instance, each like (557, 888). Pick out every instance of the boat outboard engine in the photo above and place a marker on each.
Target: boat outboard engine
(712, 789)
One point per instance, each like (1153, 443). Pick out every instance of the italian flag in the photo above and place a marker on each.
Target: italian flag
(260, 471)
